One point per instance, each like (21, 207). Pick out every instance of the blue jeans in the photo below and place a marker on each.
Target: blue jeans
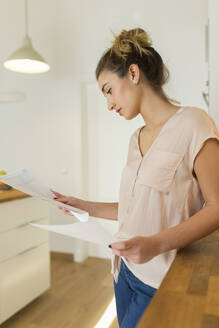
(132, 297)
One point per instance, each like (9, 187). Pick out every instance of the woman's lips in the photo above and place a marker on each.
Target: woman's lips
(118, 110)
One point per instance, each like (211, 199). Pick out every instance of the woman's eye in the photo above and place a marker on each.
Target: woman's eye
(109, 91)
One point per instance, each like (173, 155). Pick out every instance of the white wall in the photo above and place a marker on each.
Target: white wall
(213, 59)
(44, 133)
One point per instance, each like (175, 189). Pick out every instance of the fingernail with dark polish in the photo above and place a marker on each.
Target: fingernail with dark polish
(109, 246)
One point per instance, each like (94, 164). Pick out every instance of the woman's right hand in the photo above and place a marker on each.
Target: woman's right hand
(66, 200)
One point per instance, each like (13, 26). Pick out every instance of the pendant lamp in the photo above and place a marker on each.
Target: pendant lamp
(26, 59)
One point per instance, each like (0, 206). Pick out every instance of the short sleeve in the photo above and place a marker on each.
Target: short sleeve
(202, 127)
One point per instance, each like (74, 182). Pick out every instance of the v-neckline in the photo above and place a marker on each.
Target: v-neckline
(163, 127)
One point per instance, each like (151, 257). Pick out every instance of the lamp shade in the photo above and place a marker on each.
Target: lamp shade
(26, 59)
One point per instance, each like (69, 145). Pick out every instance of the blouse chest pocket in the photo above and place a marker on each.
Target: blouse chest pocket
(158, 170)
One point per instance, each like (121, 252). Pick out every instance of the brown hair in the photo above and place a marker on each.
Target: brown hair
(135, 47)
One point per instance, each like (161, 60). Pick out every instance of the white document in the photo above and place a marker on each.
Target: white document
(89, 231)
(23, 180)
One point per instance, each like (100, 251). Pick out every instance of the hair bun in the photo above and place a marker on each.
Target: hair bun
(124, 42)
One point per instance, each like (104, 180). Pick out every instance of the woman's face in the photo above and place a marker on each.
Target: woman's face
(122, 94)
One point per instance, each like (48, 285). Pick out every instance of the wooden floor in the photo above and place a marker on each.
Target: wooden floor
(79, 295)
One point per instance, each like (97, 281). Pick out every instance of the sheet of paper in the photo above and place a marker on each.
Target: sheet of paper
(89, 231)
(23, 180)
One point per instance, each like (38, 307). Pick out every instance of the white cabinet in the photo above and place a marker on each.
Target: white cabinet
(24, 254)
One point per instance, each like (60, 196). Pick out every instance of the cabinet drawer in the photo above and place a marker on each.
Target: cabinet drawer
(17, 212)
(23, 278)
(15, 241)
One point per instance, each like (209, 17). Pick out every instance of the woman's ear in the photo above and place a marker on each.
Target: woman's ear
(134, 73)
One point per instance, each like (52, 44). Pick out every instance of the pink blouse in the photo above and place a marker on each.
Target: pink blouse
(158, 190)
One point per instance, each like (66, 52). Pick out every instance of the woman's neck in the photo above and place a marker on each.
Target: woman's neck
(155, 110)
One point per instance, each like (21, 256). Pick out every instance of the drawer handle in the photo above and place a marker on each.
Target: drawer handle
(21, 226)
(27, 250)
(26, 224)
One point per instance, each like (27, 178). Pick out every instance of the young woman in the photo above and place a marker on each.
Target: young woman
(169, 193)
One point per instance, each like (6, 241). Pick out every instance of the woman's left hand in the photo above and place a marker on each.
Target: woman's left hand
(138, 249)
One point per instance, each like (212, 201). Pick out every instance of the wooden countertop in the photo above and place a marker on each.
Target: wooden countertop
(189, 294)
(11, 194)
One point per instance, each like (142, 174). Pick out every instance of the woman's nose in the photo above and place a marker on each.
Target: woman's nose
(110, 105)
